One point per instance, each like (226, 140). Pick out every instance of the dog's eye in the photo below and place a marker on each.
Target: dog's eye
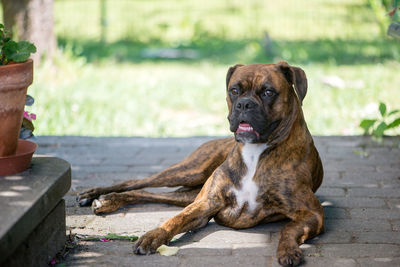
(268, 93)
(235, 91)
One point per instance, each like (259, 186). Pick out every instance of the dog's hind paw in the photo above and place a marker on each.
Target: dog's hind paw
(86, 197)
(83, 201)
(106, 203)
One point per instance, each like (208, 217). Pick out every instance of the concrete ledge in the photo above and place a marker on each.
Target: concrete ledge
(28, 197)
(45, 241)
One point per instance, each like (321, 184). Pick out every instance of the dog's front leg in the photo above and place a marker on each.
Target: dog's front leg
(208, 202)
(194, 216)
(307, 222)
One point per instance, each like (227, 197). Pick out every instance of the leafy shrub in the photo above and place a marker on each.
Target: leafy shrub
(386, 121)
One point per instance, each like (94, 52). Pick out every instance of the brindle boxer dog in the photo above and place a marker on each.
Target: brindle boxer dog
(268, 172)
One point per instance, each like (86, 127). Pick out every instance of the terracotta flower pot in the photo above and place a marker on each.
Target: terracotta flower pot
(14, 81)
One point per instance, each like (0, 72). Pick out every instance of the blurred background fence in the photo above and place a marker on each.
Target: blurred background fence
(157, 67)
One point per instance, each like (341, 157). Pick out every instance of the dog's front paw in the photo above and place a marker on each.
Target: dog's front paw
(290, 256)
(86, 197)
(150, 241)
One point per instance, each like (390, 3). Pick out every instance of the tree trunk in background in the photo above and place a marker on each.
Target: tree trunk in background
(31, 20)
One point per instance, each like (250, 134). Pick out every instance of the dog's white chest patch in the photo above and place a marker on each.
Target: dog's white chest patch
(249, 189)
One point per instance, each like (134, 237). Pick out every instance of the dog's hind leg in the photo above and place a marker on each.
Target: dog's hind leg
(192, 171)
(113, 201)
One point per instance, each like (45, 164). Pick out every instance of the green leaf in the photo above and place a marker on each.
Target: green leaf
(378, 132)
(394, 124)
(366, 125)
(382, 109)
(109, 236)
(361, 153)
(9, 48)
(121, 237)
(393, 112)
(18, 52)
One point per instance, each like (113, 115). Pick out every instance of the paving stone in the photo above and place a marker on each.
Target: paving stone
(395, 225)
(335, 213)
(394, 204)
(70, 199)
(378, 237)
(352, 202)
(369, 213)
(348, 166)
(334, 262)
(210, 235)
(340, 141)
(319, 260)
(357, 224)
(374, 192)
(232, 261)
(254, 249)
(330, 192)
(100, 168)
(348, 182)
(392, 183)
(104, 177)
(205, 249)
(126, 221)
(360, 250)
(331, 175)
(331, 237)
(393, 169)
(114, 253)
(359, 196)
(379, 262)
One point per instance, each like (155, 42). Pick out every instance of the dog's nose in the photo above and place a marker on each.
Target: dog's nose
(245, 104)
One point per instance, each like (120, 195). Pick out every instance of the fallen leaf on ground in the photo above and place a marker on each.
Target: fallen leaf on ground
(167, 251)
(107, 237)
(361, 153)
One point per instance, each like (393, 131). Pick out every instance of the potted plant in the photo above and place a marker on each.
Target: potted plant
(16, 74)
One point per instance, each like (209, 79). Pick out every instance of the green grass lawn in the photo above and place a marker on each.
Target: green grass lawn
(113, 88)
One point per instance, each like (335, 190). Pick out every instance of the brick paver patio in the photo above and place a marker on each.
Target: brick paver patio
(360, 195)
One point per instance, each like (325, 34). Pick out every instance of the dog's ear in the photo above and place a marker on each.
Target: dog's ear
(295, 76)
(230, 72)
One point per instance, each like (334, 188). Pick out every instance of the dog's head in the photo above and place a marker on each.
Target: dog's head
(261, 97)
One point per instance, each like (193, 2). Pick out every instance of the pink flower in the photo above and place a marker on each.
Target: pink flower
(53, 261)
(26, 115)
(104, 240)
(29, 116)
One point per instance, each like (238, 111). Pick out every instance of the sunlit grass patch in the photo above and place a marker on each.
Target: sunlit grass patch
(116, 88)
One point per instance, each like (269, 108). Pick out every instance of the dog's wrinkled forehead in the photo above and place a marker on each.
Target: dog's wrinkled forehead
(281, 77)
(254, 77)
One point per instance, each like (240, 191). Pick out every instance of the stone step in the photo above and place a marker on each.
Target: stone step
(27, 198)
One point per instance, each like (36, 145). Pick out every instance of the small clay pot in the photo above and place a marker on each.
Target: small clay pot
(20, 161)
(14, 81)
